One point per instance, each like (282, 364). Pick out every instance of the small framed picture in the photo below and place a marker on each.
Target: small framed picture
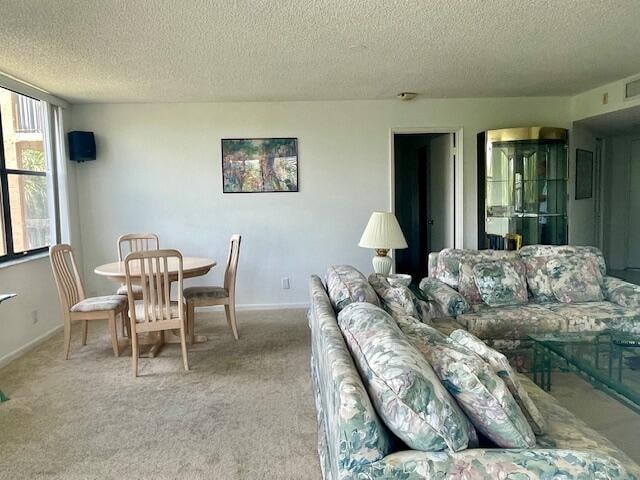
(255, 165)
(584, 174)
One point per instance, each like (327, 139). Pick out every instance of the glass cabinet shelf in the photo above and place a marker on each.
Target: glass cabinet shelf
(525, 184)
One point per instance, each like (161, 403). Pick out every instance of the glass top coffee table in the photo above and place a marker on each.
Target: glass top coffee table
(610, 361)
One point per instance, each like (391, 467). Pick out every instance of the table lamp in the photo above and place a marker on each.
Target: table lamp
(382, 234)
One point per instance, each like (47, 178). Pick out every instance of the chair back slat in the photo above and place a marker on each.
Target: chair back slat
(66, 275)
(137, 242)
(154, 267)
(232, 264)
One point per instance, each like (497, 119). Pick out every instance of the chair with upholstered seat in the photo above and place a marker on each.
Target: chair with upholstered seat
(77, 307)
(155, 312)
(207, 296)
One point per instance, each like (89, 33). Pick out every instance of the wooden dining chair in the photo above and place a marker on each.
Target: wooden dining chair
(75, 306)
(207, 296)
(135, 242)
(155, 312)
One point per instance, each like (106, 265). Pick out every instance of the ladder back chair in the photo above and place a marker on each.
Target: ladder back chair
(155, 312)
(76, 306)
(135, 242)
(207, 296)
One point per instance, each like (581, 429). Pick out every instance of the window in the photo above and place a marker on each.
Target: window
(25, 177)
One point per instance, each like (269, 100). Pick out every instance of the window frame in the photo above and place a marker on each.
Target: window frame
(49, 174)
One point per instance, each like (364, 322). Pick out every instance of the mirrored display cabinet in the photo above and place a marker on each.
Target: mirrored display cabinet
(522, 186)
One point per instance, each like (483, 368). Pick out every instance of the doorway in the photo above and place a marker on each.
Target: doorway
(633, 235)
(424, 197)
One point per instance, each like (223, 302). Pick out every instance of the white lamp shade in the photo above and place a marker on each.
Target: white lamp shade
(383, 232)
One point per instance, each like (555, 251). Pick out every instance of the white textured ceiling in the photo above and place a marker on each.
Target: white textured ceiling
(207, 50)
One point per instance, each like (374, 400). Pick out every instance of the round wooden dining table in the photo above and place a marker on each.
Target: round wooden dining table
(191, 267)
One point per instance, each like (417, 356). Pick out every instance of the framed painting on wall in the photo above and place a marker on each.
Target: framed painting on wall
(584, 174)
(254, 165)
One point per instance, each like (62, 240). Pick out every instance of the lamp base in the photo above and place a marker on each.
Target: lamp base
(382, 264)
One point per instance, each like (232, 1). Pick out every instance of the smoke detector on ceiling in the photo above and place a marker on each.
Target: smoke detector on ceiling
(404, 96)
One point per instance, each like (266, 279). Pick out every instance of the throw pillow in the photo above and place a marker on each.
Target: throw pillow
(451, 302)
(500, 365)
(538, 279)
(501, 283)
(575, 279)
(399, 300)
(346, 285)
(482, 395)
(402, 385)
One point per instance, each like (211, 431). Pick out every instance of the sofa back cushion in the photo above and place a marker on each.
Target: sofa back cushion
(530, 251)
(399, 300)
(500, 365)
(347, 285)
(501, 283)
(402, 385)
(575, 279)
(476, 387)
(351, 435)
(538, 279)
(448, 262)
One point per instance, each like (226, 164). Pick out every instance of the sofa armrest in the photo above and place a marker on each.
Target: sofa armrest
(622, 293)
(474, 463)
(449, 301)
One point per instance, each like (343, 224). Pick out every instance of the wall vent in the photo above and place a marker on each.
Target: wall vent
(632, 89)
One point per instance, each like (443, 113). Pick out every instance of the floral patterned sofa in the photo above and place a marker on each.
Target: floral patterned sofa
(354, 443)
(615, 305)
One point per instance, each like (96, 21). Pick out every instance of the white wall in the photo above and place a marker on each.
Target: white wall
(441, 192)
(159, 169)
(582, 220)
(32, 280)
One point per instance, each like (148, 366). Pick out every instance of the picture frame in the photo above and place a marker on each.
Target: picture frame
(584, 174)
(259, 165)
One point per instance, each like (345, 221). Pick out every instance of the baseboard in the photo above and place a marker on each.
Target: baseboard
(261, 306)
(10, 357)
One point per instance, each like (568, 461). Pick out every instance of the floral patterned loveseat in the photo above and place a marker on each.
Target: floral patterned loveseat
(614, 306)
(354, 443)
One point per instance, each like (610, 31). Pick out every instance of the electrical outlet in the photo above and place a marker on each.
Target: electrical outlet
(605, 98)
(285, 283)
(34, 317)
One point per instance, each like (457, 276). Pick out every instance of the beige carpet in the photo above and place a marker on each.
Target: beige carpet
(244, 411)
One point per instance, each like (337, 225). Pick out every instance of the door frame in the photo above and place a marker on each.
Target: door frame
(458, 196)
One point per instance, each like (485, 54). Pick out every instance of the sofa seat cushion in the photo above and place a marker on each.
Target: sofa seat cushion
(402, 385)
(597, 316)
(511, 323)
(565, 430)
(346, 285)
(501, 283)
(483, 464)
(500, 365)
(479, 391)
(575, 279)
(399, 300)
